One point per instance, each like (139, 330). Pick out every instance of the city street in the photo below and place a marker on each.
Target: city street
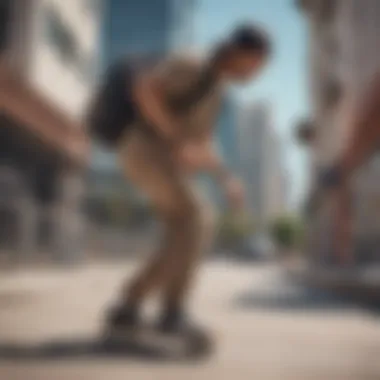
(113, 112)
(266, 328)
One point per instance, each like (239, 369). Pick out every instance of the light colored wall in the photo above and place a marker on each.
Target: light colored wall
(356, 30)
(65, 85)
(275, 190)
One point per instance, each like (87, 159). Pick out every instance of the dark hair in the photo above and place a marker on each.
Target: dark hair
(250, 38)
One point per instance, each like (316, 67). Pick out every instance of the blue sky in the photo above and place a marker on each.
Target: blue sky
(284, 83)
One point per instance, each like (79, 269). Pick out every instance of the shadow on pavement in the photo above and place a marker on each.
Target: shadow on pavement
(88, 349)
(283, 295)
(76, 349)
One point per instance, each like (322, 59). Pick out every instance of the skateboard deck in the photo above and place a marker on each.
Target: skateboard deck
(147, 338)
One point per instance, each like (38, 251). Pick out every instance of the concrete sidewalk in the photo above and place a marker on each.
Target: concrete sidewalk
(263, 337)
(362, 284)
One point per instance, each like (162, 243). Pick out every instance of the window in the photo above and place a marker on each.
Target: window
(93, 6)
(332, 93)
(63, 41)
(87, 67)
(60, 37)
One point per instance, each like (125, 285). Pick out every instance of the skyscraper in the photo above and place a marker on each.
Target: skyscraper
(146, 26)
(227, 132)
(261, 163)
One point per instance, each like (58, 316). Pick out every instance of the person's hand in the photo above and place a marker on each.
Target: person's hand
(333, 178)
(235, 193)
(198, 156)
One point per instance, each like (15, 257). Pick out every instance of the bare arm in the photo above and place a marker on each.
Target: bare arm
(149, 97)
(366, 130)
(212, 160)
(232, 186)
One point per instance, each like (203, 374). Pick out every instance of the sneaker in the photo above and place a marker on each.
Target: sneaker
(123, 317)
(176, 322)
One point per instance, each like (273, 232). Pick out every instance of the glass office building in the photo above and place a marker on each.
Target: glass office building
(138, 26)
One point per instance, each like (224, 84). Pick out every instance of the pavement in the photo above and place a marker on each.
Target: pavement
(265, 327)
(359, 282)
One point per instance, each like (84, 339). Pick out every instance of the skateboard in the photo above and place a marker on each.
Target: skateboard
(147, 339)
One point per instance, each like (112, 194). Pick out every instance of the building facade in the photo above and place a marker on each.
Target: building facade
(227, 132)
(48, 61)
(344, 56)
(133, 27)
(261, 164)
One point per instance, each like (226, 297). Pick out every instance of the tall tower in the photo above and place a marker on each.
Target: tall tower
(261, 163)
(143, 26)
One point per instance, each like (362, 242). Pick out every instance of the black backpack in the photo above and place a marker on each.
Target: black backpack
(113, 110)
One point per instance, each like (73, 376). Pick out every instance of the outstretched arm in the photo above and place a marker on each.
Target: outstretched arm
(364, 140)
(365, 130)
(149, 95)
(212, 160)
(215, 165)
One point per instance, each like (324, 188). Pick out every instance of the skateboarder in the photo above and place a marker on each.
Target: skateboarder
(177, 103)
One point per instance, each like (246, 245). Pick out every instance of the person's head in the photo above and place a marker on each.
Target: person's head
(243, 54)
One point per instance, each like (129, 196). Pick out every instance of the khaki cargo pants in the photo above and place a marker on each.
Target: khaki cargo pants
(187, 217)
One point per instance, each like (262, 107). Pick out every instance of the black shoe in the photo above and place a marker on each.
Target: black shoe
(123, 317)
(176, 322)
